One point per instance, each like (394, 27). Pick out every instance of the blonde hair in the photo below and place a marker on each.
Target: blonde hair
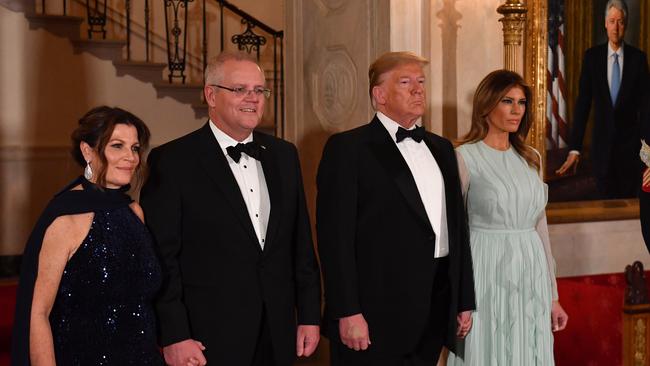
(488, 94)
(387, 62)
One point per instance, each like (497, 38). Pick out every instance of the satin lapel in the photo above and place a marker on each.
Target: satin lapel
(216, 167)
(273, 184)
(391, 159)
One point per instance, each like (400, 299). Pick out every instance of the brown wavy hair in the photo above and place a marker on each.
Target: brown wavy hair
(488, 94)
(96, 128)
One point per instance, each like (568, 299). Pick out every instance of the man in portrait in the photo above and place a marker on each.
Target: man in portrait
(226, 207)
(392, 231)
(613, 79)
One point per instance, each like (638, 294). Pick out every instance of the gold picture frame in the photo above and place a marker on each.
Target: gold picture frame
(535, 63)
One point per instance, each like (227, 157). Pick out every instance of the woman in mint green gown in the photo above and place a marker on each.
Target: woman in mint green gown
(517, 304)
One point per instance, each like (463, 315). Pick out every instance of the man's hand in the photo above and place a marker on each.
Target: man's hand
(307, 339)
(559, 317)
(354, 332)
(185, 353)
(571, 160)
(464, 320)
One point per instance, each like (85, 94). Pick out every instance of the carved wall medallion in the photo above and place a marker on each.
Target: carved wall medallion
(333, 89)
(333, 4)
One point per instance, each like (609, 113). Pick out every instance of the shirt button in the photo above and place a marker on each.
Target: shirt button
(244, 166)
(251, 189)
(257, 215)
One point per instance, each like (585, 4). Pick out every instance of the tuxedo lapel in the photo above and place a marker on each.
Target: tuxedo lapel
(447, 168)
(389, 156)
(273, 179)
(629, 64)
(601, 74)
(216, 167)
(441, 160)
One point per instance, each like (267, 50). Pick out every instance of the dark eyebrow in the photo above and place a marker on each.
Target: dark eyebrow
(122, 141)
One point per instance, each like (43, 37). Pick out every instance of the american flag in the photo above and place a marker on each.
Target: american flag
(557, 131)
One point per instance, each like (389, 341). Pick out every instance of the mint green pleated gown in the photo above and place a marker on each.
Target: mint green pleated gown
(513, 267)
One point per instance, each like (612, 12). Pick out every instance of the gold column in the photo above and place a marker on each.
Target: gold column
(513, 21)
(535, 71)
(636, 332)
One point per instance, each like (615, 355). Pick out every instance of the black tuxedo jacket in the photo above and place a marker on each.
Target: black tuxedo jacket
(376, 243)
(616, 130)
(216, 277)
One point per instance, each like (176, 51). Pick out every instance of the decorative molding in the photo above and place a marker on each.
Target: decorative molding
(334, 89)
(635, 334)
(639, 342)
(333, 4)
(294, 81)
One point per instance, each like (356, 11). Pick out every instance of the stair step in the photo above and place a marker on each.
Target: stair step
(149, 72)
(184, 93)
(105, 49)
(60, 25)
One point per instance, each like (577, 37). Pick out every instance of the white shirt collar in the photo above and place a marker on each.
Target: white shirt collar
(224, 140)
(392, 126)
(610, 50)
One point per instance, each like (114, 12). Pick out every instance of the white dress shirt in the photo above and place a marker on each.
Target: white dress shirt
(429, 182)
(252, 184)
(610, 62)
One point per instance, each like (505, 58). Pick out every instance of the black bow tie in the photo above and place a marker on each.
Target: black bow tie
(252, 149)
(417, 134)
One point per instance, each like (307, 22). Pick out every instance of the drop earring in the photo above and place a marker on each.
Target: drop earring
(88, 172)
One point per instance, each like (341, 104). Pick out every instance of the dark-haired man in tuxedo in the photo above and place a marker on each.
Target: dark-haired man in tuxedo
(392, 232)
(227, 210)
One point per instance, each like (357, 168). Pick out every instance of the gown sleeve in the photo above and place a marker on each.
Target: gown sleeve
(464, 176)
(542, 231)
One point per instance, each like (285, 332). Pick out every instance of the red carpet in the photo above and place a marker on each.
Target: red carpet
(593, 336)
(7, 304)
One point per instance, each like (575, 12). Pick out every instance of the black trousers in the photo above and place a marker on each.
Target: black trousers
(264, 348)
(427, 352)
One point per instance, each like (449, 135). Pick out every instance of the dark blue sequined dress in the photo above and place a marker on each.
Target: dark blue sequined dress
(102, 314)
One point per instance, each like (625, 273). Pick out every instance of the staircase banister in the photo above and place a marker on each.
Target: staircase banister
(258, 23)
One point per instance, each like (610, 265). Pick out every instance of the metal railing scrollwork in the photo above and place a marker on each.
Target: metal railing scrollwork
(254, 38)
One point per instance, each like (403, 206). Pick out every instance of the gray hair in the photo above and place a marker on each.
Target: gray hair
(213, 71)
(618, 4)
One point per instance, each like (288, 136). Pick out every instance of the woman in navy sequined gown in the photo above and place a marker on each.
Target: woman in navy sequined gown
(89, 270)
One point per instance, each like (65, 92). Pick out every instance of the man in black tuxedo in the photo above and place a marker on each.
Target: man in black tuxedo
(614, 77)
(227, 210)
(392, 232)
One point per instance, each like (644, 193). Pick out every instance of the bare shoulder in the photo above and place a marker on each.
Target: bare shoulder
(137, 210)
(67, 232)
